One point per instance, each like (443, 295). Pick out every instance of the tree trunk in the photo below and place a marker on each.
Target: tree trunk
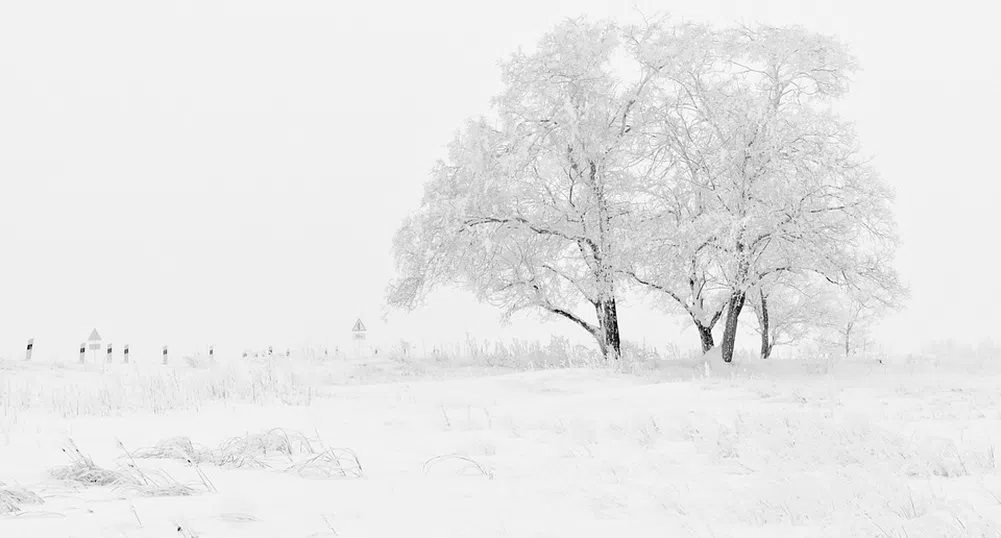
(705, 337)
(611, 329)
(607, 332)
(766, 344)
(730, 331)
(848, 339)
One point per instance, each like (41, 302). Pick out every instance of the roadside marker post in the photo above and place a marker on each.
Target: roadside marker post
(27, 353)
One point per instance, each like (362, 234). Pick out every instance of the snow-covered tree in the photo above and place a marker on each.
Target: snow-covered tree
(777, 179)
(529, 210)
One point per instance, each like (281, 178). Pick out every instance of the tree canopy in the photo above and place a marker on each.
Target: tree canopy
(705, 165)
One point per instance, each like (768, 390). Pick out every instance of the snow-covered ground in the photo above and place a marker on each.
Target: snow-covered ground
(786, 448)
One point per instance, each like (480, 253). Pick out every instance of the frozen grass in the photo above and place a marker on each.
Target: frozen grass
(278, 448)
(128, 478)
(906, 447)
(13, 498)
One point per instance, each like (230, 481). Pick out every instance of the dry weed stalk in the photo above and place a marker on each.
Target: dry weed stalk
(470, 464)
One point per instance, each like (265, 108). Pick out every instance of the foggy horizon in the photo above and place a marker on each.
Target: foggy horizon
(231, 173)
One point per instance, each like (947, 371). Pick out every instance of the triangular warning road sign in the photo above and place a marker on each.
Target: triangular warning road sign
(359, 327)
(94, 337)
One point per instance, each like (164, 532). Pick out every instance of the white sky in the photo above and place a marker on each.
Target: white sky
(203, 171)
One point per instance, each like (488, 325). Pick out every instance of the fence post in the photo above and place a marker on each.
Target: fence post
(27, 353)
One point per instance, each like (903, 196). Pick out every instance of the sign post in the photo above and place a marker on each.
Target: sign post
(94, 343)
(358, 334)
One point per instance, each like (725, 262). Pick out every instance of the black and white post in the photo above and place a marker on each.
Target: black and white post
(165, 354)
(211, 351)
(109, 354)
(27, 353)
(83, 353)
(125, 351)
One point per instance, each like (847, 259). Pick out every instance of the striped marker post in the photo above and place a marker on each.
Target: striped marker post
(165, 354)
(125, 350)
(27, 353)
(211, 351)
(83, 353)
(109, 354)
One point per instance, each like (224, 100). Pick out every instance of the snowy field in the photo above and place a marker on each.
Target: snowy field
(388, 448)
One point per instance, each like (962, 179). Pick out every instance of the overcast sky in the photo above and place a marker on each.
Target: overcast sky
(190, 172)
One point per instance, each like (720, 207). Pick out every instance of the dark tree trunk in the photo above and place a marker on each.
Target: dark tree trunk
(705, 337)
(766, 344)
(607, 332)
(611, 329)
(730, 331)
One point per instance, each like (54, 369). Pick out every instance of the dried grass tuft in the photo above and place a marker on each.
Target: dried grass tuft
(13, 498)
(331, 463)
(277, 448)
(254, 450)
(176, 448)
(128, 477)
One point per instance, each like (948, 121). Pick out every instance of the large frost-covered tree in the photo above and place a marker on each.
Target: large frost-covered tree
(776, 178)
(530, 208)
(707, 165)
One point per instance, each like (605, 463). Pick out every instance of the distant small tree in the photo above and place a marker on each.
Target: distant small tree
(789, 311)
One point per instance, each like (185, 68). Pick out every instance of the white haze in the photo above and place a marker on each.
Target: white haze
(232, 172)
